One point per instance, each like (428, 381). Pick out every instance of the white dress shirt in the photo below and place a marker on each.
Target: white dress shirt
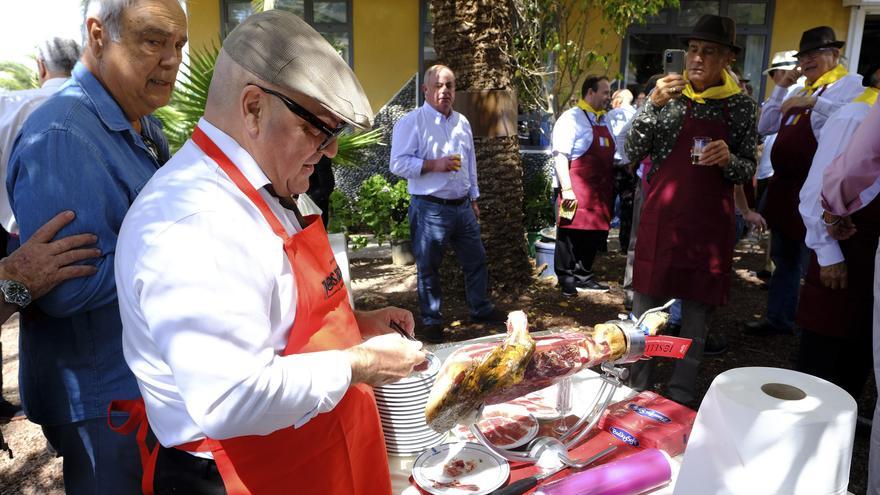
(573, 133)
(835, 96)
(833, 140)
(426, 134)
(207, 298)
(620, 121)
(15, 107)
(765, 166)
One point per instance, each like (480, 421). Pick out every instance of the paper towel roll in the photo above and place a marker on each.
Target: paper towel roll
(770, 431)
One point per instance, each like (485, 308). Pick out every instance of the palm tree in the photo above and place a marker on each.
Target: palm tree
(472, 37)
(17, 76)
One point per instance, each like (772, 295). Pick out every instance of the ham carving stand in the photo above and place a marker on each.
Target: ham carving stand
(549, 452)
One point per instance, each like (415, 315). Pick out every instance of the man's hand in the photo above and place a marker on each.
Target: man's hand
(41, 263)
(833, 276)
(715, 153)
(451, 163)
(839, 228)
(568, 197)
(378, 322)
(384, 359)
(790, 77)
(476, 209)
(797, 101)
(669, 87)
(755, 219)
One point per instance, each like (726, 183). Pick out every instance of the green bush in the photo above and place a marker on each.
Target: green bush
(379, 209)
(537, 211)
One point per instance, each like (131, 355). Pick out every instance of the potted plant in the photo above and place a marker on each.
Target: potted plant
(537, 210)
(382, 210)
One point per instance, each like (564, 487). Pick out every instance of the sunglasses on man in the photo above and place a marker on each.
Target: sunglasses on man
(329, 133)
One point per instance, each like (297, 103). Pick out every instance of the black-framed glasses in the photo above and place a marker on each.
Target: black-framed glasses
(329, 133)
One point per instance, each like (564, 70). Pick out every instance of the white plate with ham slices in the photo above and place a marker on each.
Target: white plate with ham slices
(506, 426)
(459, 469)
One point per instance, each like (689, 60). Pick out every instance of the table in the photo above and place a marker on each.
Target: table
(584, 385)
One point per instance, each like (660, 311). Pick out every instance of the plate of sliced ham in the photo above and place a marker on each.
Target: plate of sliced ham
(460, 469)
(506, 426)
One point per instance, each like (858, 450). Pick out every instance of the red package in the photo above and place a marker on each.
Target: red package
(649, 420)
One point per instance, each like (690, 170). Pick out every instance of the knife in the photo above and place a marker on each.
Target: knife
(521, 486)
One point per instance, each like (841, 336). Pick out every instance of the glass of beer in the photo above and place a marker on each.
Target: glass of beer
(700, 143)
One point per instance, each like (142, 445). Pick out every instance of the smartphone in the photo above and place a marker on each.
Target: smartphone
(673, 61)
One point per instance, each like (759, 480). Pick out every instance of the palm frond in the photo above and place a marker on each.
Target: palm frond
(349, 143)
(16, 76)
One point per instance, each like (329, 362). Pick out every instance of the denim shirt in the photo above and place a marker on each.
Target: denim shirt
(78, 152)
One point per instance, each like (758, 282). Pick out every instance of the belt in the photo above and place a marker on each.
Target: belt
(441, 201)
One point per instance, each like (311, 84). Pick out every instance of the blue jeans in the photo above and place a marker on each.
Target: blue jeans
(790, 257)
(97, 460)
(434, 226)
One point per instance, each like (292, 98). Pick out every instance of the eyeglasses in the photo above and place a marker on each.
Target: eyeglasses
(812, 53)
(329, 133)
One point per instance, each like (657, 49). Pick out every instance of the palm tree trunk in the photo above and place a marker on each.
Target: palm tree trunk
(472, 37)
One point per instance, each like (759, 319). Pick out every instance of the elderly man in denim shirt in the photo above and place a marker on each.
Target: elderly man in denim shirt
(91, 148)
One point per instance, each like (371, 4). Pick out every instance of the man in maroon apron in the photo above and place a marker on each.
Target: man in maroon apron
(256, 373)
(684, 247)
(583, 150)
(799, 118)
(836, 300)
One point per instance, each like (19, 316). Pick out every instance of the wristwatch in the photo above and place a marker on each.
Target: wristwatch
(15, 292)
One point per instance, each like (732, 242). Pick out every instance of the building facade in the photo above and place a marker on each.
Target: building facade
(387, 41)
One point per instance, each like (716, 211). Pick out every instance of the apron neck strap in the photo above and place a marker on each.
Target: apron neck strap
(215, 153)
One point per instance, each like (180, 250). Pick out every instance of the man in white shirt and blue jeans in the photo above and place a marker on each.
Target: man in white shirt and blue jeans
(433, 148)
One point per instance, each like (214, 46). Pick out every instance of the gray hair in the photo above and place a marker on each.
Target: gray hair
(109, 12)
(59, 54)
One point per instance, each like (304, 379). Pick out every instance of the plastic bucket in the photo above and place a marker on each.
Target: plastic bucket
(544, 254)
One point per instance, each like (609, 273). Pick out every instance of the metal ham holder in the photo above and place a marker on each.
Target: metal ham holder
(549, 452)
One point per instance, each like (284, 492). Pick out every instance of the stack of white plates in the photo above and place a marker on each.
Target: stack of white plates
(402, 411)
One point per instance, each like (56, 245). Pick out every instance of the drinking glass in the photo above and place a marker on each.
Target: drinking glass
(563, 404)
(700, 143)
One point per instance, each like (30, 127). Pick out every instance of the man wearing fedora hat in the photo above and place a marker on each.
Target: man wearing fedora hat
(684, 247)
(798, 118)
(255, 371)
(836, 300)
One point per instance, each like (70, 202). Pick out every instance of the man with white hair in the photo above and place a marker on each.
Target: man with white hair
(90, 148)
(255, 372)
(55, 59)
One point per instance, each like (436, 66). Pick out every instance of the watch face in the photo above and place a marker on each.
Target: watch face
(15, 293)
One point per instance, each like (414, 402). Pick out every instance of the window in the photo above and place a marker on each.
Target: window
(331, 18)
(644, 44)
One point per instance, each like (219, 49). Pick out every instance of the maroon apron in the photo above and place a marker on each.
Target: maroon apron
(791, 156)
(592, 181)
(684, 247)
(845, 312)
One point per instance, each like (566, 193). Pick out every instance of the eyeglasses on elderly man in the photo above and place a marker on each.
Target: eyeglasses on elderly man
(329, 133)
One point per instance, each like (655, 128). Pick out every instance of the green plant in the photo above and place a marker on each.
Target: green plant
(342, 216)
(16, 76)
(537, 210)
(382, 209)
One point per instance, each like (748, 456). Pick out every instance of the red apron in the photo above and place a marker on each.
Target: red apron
(792, 156)
(341, 451)
(846, 312)
(684, 247)
(592, 181)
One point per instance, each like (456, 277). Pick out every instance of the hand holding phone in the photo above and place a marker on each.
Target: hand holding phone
(673, 61)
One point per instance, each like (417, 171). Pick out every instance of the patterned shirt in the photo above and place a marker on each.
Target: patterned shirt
(655, 132)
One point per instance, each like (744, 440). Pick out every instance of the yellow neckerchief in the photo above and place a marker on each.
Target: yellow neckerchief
(829, 77)
(869, 96)
(726, 90)
(582, 104)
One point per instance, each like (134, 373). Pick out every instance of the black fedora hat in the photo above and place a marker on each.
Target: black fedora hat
(818, 37)
(715, 28)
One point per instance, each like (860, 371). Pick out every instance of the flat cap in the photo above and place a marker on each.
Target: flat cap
(282, 49)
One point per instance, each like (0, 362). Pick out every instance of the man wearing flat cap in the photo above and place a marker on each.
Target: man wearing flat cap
(255, 371)
(797, 118)
(684, 247)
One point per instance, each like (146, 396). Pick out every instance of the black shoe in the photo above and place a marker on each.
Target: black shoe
(592, 286)
(569, 294)
(433, 334)
(715, 345)
(764, 327)
(8, 410)
(494, 316)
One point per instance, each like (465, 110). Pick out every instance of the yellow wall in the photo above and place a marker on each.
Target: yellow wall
(386, 46)
(204, 23)
(793, 17)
